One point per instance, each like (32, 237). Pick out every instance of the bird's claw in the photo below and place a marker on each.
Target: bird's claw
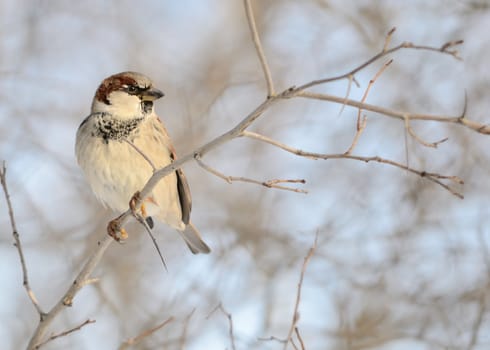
(115, 230)
(134, 201)
(133, 205)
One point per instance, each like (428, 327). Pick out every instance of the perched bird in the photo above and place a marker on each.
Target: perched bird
(122, 142)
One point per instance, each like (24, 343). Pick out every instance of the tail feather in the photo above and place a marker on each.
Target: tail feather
(149, 221)
(194, 240)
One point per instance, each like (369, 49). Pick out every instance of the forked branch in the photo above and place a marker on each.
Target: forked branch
(18, 245)
(275, 183)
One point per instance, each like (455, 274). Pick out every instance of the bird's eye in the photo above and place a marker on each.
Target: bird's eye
(132, 89)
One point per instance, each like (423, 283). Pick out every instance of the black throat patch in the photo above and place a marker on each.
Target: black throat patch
(109, 128)
(146, 106)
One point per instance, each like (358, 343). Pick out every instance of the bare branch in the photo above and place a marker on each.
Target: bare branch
(183, 337)
(230, 322)
(269, 184)
(295, 319)
(256, 136)
(67, 299)
(143, 222)
(293, 343)
(419, 139)
(388, 39)
(144, 334)
(17, 244)
(362, 121)
(351, 79)
(141, 153)
(300, 339)
(65, 333)
(361, 125)
(482, 309)
(272, 338)
(434, 177)
(258, 48)
(384, 52)
(473, 125)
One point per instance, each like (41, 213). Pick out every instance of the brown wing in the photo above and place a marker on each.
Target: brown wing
(182, 185)
(184, 192)
(184, 196)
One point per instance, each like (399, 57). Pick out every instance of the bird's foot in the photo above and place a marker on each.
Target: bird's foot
(133, 203)
(115, 230)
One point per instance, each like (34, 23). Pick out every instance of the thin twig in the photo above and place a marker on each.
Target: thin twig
(65, 333)
(18, 245)
(183, 337)
(384, 52)
(295, 318)
(269, 184)
(412, 133)
(143, 222)
(347, 93)
(482, 310)
(141, 153)
(485, 251)
(272, 338)
(260, 137)
(67, 299)
(230, 322)
(373, 80)
(361, 125)
(388, 39)
(300, 339)
(362, 120)
(473, 125)
(405, 140)
(434, 177)
(144, 334)
(259, 48)
(293, 343)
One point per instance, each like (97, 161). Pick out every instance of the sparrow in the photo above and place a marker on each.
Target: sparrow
(119, 146)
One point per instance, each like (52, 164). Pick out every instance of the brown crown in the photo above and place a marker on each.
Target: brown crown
(113, 83)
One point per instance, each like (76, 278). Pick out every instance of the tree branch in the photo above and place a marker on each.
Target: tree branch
(144, 334)
(65, 333)
(80, 281)
(183, 337)
(300, 339)
(269, 184)
(473, 125)
(412, 133)
(434, 177)
(445, 48)
(18, 245)
(230, 323)
(295, 319)
(258, 48)
(362, 121)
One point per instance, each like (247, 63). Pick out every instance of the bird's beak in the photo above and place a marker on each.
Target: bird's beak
(151, 95)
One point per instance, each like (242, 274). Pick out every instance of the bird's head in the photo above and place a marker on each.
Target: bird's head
(126, 95)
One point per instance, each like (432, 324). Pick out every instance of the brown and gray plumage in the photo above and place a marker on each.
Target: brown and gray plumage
(121, 126)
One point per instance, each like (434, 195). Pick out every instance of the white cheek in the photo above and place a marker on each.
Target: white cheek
(123, 105)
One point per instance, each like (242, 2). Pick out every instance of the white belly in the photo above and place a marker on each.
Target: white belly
(116, 171)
